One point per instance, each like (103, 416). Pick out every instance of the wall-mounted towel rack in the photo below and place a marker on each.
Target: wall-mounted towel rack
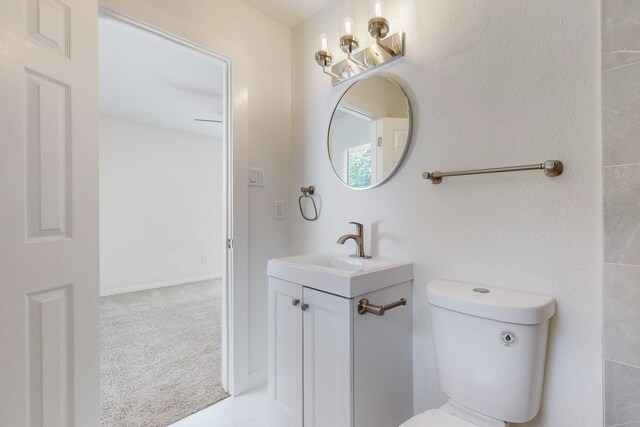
(307, 193)
(549, 167)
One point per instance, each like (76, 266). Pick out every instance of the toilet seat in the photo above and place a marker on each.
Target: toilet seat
(437, 418)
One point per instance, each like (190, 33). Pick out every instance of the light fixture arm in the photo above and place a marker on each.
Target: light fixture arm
(355, 61)
(327, 70)
(324, 58)
(385, 48)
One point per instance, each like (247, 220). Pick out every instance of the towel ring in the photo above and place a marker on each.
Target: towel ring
(307, 192)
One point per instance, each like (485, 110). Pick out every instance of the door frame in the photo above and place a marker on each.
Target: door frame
(228, 314)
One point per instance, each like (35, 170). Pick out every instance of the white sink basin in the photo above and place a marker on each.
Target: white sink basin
(339, 274)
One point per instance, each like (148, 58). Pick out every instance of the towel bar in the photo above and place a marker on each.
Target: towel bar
(550, 167)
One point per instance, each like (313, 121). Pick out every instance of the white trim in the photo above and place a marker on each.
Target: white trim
(353, 111)
(147, 286)
(106, 12)
(365, 109)
(257, 378)
(234, 319)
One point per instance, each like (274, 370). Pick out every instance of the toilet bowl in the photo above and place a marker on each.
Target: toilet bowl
(490, 346)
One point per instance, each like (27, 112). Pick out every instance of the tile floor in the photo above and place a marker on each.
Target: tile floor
(246, 410)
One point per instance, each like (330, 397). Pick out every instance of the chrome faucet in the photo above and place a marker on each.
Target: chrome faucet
(358, 238)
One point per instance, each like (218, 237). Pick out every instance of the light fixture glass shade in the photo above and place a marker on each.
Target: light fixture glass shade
(376, 8)
(323, 55)
(323, 40)
(378, 24)
(346, 29)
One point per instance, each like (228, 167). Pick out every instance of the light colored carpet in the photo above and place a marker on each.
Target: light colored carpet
(160, 354)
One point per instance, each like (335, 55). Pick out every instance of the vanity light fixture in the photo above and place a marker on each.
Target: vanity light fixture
(349, 44)
(378, 25)
(387, 48)
(324, 57)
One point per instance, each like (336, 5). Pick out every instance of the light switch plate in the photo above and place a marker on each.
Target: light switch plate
(256, 177)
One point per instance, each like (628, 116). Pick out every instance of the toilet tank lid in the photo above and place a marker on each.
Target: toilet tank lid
(491, 303)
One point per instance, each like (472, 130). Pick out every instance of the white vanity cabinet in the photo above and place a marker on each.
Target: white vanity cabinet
(285, 350)
(330, 366)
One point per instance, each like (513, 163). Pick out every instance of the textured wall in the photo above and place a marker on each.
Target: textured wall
(621, 159)
(492, 83)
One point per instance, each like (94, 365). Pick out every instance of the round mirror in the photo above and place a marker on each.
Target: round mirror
(369, 132)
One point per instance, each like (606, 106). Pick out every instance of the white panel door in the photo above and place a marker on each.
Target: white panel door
(285, 351)
(49, 351)
(328, 370)
(392, 138)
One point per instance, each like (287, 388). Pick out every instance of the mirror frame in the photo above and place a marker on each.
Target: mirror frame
(409, 133)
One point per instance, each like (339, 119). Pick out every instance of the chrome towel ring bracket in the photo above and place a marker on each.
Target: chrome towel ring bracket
(307, 193)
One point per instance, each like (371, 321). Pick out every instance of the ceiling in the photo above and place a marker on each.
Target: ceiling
(290, 13)
(148, 79)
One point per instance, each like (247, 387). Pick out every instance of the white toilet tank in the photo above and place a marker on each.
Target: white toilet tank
(490, 347)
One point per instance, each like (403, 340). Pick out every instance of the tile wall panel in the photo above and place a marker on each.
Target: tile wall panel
(621, 162)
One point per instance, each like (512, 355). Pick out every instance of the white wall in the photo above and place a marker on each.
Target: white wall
(492, 83)
(160, 206)
(259, 49)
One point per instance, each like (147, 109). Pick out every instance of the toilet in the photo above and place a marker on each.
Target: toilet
(490, 346)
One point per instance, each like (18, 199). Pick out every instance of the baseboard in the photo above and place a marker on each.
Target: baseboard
(148, 286)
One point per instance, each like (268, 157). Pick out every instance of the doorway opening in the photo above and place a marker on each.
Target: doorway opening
(165, 220)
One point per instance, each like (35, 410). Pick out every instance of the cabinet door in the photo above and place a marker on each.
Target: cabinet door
(285, 351)
(327, 360)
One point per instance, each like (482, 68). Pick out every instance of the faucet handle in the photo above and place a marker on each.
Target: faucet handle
(359, 227)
